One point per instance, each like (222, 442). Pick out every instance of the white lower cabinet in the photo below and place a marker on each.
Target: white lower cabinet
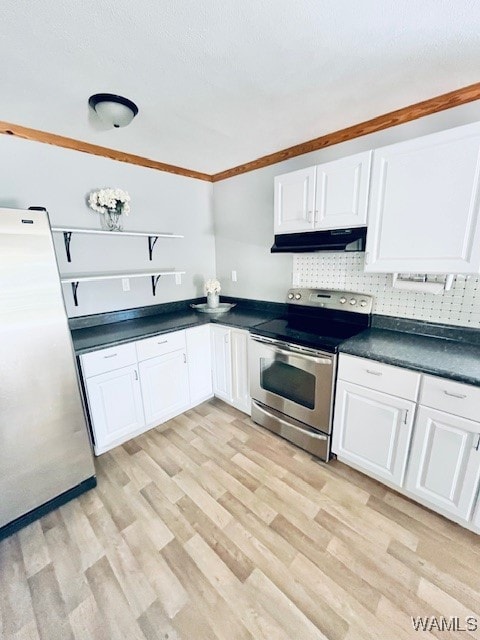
(230, 366)
(429, 452)
(115, 405)
(444, 467)
(372, 431)
(240, 383)
(222, 362)
(164, 382)
(167, 374)
(199, 361)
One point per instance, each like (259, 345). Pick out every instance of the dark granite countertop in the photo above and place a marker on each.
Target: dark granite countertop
(119, 327)
(440, 350)
(439, 355)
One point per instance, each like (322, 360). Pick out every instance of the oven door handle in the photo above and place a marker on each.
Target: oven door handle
(275, 345)
(284, 352)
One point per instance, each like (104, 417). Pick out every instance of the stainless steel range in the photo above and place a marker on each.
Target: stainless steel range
(293, 364)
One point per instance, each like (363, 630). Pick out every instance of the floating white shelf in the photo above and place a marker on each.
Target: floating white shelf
(152, 236)
(74, 279)
(114, 275)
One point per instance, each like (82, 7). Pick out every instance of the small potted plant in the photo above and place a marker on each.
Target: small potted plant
(112, 203)
(212, 289)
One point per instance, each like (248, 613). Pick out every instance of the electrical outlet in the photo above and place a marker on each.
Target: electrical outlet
(234, 276)
(126, 284)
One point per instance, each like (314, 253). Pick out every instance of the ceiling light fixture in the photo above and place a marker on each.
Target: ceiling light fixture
(113, 110)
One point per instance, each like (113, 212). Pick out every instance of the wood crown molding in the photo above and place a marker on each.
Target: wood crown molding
(86, 147)
(400, 116)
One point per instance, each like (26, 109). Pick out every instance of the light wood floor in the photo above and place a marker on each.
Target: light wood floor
(210, 527)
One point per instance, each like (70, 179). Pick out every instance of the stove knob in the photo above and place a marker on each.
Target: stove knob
(290, 296)
(298, 296)
(363, 303)
(353, 301)
(342, 300)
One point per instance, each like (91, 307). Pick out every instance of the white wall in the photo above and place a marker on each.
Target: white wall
(238, 210)
(243, 208)
(35, 174)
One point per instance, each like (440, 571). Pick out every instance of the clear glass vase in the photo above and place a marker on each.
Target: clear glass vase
(112, 220)
(212, 300)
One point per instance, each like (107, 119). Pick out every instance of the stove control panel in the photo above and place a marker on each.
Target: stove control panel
(331, 299)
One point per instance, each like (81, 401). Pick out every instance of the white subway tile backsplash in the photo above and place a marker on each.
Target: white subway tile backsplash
(460, 305)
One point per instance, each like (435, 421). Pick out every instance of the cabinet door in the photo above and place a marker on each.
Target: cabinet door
(342, 192)
(424, 205)
(199, 359)
(372, 430)
(444, 465)
(294, 201)
(164, 382)
(240, 387)
(222, 363)
(115, 404)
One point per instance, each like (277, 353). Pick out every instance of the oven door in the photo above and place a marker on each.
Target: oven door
(296, 383)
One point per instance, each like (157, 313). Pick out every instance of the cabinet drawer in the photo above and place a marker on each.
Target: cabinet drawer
(161, 344)
(378, 376)
(453, 397)
(109, 359)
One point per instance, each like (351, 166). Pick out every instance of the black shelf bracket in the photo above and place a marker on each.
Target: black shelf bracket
(152, 241)
(74, 292)
(155, 280)
(67, 237)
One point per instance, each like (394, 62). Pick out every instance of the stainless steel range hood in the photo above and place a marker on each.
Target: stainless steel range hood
(330, 240)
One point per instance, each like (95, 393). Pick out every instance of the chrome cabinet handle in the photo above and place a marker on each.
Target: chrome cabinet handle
(184, 358)
(112, 355)
(374, 373)
(455, 395)
(163, 342)
(477, 446)
(310, 216)
(405, 416)
(136, 374)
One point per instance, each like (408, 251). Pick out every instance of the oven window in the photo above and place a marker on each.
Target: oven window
(288, 382)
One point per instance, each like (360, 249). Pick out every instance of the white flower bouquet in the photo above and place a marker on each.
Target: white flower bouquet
(110, 200)
(212, 286)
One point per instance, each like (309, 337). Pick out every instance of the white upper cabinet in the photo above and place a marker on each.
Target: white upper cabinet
(333, 195)
(341, 198)
(424, 205)
(295, 201)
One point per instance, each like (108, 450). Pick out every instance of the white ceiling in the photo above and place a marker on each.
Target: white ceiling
(222, 82)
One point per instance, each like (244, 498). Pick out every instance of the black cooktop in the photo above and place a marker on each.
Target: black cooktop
(325, 330)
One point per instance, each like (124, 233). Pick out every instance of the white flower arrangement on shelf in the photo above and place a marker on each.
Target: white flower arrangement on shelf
(110, 200)
(212, 286)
